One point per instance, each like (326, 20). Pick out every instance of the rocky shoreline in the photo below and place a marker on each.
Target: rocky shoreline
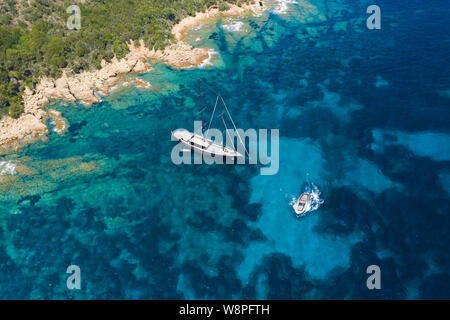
(87, 86)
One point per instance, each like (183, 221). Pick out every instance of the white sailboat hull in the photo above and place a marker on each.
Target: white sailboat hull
(204, 145)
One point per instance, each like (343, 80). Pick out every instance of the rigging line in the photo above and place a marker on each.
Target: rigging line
(208, 87)
(228, 112)
(212, 115)
(203, 109)
(200, 104)
(226, 131)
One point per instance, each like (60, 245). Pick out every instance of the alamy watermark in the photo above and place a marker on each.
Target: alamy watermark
(374, 20)
(257, 151)
(74, 280)
(374, 281)
(74, 21)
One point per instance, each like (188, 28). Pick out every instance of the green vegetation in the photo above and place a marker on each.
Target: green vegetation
(35, 41)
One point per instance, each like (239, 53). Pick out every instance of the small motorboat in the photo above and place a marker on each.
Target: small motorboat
(303, 204)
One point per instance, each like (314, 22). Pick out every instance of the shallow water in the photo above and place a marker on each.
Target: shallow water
(361, 116)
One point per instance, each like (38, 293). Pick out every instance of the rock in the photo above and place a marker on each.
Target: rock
(61, 124)
(142, 67)
(82, 90)
(30, 126)
(61, 90)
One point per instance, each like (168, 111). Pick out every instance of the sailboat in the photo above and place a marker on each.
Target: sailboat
(198, 142)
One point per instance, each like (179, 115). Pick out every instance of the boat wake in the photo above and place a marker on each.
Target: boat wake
(314, 198)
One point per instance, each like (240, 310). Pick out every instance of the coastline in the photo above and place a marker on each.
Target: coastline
(87, 86)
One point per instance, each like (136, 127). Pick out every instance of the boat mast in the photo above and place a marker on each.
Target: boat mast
(200, 104)
(223, 107)
(232, 122)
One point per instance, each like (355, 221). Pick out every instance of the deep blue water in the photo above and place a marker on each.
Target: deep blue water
(363, 115)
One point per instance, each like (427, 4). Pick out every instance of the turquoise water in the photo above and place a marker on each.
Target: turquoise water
(362, 116)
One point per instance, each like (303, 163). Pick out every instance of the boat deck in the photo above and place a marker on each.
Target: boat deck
(203, 144)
